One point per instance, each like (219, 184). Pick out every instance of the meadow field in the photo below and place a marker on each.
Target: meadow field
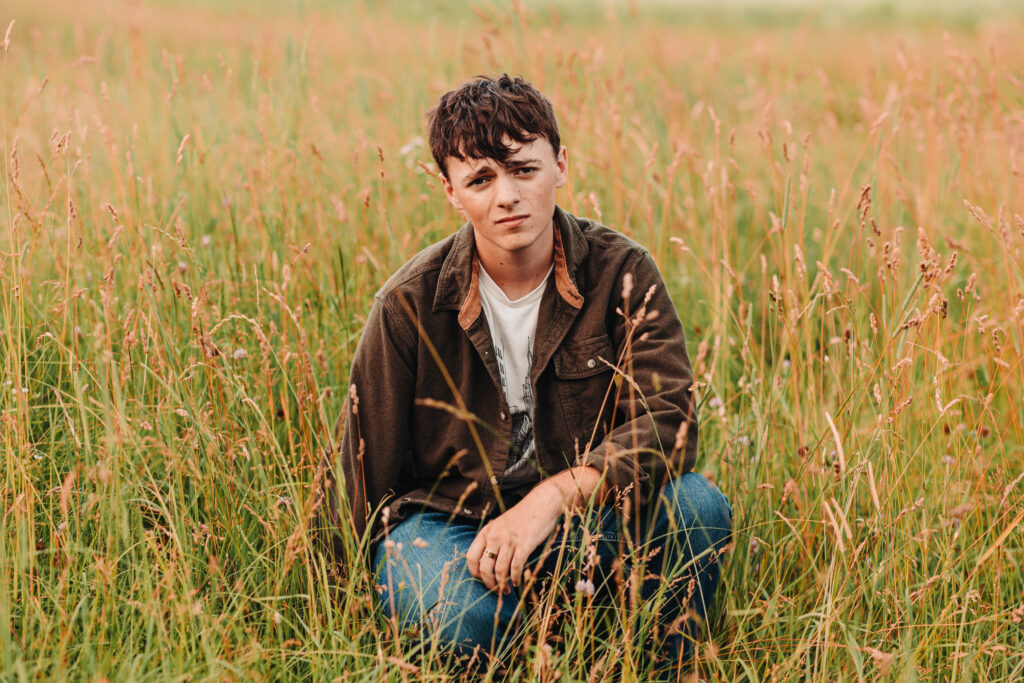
(200, 200)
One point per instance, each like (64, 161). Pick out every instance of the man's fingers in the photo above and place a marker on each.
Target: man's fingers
(473, 555)
(501, 567)
(516, 570)
(487, 571)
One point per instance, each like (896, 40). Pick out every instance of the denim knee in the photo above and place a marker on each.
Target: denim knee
(430, 590)
(693, 503)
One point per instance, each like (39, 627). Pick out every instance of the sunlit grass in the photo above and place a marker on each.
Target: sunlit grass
(200, 203)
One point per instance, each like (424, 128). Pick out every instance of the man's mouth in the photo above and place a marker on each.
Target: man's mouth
(512, 221)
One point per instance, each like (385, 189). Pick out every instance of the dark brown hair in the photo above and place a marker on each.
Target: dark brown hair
(472, 121)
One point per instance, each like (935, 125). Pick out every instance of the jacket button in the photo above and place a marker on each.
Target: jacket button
(591, 363)
(467, 511)
(504, 416)
(494, 479)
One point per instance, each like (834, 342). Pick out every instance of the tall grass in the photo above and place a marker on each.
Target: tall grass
(199, 204)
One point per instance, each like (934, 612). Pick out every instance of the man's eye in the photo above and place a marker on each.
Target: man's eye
(477, 181)
(526, 170)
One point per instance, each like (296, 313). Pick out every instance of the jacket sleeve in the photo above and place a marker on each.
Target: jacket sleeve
(655, 434)
(372, 432)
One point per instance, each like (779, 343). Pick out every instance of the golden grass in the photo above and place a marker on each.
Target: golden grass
(199, 204)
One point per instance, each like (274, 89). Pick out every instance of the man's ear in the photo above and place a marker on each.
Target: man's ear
(450, 193)
(562, 163)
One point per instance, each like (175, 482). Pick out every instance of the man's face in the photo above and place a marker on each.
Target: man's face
(511, 205)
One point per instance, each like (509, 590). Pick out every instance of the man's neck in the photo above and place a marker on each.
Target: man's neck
(519, 273)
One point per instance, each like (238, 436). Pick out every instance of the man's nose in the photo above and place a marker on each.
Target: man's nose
(507, 195)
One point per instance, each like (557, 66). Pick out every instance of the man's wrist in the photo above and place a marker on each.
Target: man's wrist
(574, 486)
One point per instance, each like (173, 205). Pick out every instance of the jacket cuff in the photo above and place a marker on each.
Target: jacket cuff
(622, 473)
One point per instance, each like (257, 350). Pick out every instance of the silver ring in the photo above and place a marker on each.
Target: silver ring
(491, 554)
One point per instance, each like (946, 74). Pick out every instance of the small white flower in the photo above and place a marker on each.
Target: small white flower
(277, 618)
(743, 440)
(206, 240)
(182, 266)
(239, 354)
(715, 402)
(284, 501)
(585, 586)
(786, 365)
(413, 145)
(948, 459)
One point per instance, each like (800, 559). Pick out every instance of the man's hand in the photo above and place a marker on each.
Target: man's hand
(499, 552)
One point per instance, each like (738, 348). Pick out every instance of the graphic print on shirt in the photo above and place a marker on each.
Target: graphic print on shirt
(513, 326)
(521, 452)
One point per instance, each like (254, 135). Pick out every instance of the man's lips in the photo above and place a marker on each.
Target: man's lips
(512, 221)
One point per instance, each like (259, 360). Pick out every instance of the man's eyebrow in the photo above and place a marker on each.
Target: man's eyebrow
(483, 170)
(517, 163)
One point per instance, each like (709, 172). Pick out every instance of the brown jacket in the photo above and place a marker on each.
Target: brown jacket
(426, 422)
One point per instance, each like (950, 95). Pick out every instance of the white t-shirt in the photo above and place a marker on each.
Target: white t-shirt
(513, 327)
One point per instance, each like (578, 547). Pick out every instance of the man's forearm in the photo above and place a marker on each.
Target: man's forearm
(576, 485)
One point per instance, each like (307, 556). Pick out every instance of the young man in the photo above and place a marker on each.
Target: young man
(524, 365)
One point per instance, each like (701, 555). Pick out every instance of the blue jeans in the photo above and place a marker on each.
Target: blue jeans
(423, 581)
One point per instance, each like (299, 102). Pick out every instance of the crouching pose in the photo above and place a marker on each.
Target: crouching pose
(529, 364)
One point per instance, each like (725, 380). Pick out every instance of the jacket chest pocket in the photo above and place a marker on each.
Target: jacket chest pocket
(584, 376)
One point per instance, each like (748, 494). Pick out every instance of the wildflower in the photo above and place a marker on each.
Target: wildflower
(411, 146)
(947, 459)
(239, 354)
(585, 586)
(182, 266)
(715, 402)
(627, 286)
(283, 501)
(206, 240)
(743, 440)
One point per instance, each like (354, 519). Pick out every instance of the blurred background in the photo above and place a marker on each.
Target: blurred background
(200, 200)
